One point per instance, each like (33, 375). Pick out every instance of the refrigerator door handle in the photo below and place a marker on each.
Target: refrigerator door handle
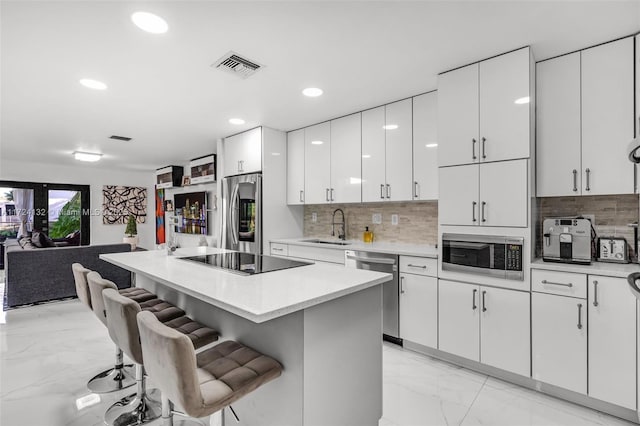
(233, 214)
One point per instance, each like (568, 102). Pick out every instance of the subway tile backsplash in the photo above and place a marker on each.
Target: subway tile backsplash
(417, 221)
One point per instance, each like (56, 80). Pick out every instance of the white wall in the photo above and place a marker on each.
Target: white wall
(88, 174)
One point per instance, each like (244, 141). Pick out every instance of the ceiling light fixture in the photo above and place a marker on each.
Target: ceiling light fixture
(366, 156)
(316, 142)
(150, 23)
(390, 127)
(431, 145)
(86, 156)
(522, 101)
(93, 84)
(312, 92)
(236, 121)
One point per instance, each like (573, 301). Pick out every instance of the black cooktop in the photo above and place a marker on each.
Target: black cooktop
(245, 263)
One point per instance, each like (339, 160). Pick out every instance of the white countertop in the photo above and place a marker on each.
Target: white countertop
(620, 270)
(423, 250)
(258, 298)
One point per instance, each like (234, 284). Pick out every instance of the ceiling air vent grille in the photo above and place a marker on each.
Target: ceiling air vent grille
(237, 65)
(120, 138)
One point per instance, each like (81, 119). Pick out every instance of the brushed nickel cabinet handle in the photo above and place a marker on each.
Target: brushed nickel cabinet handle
(473, 148)
(301, 196)
(555, 283)
(417, 266)
(575, 180)
(388, 191)
(595, 293)
(473, 210)
(588, 173)
(326, 194)
(381, 191)
(579, 316)
(484, 219)
(402, 285)
(484, 144)
(473, 306)
(415, 190)
(484, 304)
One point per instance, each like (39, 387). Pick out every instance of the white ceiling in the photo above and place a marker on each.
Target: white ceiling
(164, 94)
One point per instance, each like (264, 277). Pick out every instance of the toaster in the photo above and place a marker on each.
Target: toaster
(567, 239)
(613, 249)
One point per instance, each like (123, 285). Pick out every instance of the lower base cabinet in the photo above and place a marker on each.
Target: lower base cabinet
(485, 324)
(419, 309)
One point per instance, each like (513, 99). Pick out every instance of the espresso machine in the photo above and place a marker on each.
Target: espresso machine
(567, 239)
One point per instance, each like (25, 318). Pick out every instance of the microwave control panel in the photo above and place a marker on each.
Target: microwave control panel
(514, 257)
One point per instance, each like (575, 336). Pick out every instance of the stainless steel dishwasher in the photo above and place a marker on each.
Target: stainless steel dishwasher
(382, 262)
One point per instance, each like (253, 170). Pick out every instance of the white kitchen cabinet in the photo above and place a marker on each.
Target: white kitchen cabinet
(386, 152)
(419, 309)
(559, 341)
(607, 118)
(425, 147)
(373, 154)
(558, 126)
(484, 110)
(585, 120)
(491, 194)
(505, 329)
(485, 324)
(295, 167)
(346, 159)
(458, 319)
(612, 341)
(243, 153)
(317, 163)
(399, 151)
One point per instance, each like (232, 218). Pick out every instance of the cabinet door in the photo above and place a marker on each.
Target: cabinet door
(504, 197)
(505, 329)
(419, 309)
(251, 151)
(233, 146)
(425, 147)
(346, 159)
(458, 199)
(505, 107)
(458, 319)
(399, 151)
(458, 119)
(373, 155)
(559, 341)
(612, 341)
(295, 167)
(317, 158)
(607, 118)
(558, 126)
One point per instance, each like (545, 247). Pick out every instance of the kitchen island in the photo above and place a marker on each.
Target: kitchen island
(322, 322)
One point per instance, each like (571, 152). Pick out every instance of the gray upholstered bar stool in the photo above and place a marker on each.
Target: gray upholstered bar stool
(204, 383)
(120, 376)
(143, 407)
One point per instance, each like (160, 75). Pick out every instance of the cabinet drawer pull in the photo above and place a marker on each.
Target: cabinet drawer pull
(575, 180)
(484, 219)
(473, 148)
(381, 191)
(331, 191)
(484, 144)
(402, 285)
(588, 173)
(276, 249)
(484, 304)
(415, 190)
(473, 306)
(301, 196)
(388, 191)
(595, 293)
(417, 266)
(473, 210)
(579, 316)
(554, 283)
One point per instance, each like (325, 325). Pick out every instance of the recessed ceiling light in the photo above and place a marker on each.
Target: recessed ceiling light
(86, 156)
(316, 142)
(312, 92)
(236, 121)
(390, 127)
(93, 84)
(521, 101)
(150, 23)
(431, 145)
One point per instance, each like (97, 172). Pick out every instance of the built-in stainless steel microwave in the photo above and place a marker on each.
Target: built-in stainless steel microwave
(495, 256)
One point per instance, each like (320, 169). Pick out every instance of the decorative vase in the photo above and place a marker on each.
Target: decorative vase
(133, 241)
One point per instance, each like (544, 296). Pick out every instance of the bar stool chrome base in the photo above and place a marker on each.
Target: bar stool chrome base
(168, 416)
(133, 410)
(117, 378)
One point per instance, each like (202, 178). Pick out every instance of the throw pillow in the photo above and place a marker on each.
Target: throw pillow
(38, 239)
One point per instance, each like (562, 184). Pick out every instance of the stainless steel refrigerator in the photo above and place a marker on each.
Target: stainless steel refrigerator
(242, 213)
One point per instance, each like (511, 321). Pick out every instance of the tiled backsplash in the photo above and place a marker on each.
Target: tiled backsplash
(417, 221)
(612, 214)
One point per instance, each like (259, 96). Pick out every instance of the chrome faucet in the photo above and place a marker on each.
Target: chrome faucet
(341, 235)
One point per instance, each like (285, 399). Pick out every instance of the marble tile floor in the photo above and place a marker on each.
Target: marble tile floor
(49, 351)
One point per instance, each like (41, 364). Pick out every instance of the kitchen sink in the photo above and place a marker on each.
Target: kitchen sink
(319, 241)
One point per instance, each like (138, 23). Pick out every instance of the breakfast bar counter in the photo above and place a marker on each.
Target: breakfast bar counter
(323, 323)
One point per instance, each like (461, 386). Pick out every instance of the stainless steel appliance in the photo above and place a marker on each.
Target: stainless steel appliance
(246, 263)
(495, 256)
(567, 239)
(382, 262)
(613, 249)
(242, 213)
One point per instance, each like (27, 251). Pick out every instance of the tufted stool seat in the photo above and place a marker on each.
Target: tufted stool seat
(205, 383)
(143, 407)
(121, 376)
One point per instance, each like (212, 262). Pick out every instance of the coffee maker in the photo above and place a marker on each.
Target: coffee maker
(567, 239)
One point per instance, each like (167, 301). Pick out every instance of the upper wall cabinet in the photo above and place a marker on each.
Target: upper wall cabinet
(585, 119)
(317, 163)
(387, 150)
(243, 153)
(484, 110)
(295, 167)
(425, 147)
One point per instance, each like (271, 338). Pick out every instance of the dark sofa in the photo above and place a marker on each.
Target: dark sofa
(43, 274)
